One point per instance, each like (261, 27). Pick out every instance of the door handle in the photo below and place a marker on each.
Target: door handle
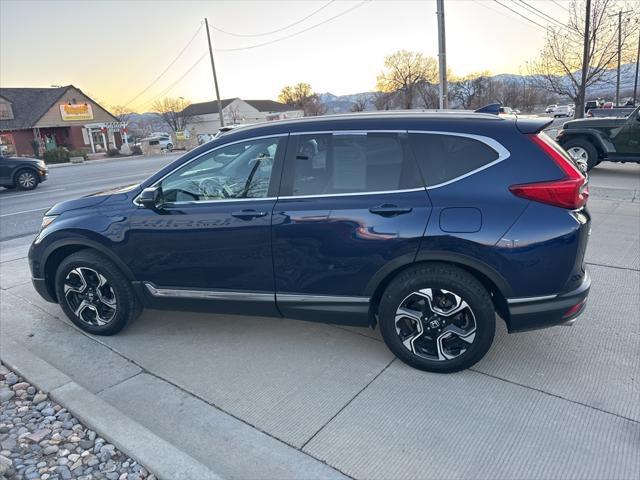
(248, 214)
(388, 210)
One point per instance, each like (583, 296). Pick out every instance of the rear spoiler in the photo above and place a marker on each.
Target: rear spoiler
(532, 124)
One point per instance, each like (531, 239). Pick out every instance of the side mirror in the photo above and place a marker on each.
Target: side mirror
(150, 198)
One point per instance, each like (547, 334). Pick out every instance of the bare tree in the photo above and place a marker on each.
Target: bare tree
(360, 104)
(302, 96)
(172, 111)
(121, 113)
(403, 72)
(233, 115)
(474, 90)
(383, 101)
(559, 67)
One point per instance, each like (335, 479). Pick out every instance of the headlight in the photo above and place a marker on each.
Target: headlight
(41, 164)
(47, 220)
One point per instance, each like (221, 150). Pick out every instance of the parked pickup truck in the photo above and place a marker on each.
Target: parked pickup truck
(593, 140)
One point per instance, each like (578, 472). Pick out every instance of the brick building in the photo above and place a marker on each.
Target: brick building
(55, 117)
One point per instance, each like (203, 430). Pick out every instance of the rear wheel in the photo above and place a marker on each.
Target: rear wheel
(437, 318)
(94, 293)
(26, 180)
(582, 151)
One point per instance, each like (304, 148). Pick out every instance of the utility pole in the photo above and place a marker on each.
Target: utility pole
(635, 84)
(215, 77)
(579, 113)
(620, 13)
(442, 55)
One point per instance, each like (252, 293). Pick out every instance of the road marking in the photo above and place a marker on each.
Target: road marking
(25, 211)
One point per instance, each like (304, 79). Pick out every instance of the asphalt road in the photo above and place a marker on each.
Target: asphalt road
(21, 212)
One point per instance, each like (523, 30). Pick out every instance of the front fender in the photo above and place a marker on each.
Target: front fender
(600, 141)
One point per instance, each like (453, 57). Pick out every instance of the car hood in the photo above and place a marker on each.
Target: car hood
(34, 161)
(89, 201)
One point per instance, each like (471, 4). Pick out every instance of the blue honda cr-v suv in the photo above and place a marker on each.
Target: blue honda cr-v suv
(425, 224)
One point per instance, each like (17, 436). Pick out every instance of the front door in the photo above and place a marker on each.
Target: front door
(211, 239)
(627, 141)
(350, 205)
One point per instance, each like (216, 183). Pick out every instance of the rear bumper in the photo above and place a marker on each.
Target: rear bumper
(531, 313)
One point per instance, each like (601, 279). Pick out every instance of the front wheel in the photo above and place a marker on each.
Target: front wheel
(437, 318)
(94, 293)
(26, 180)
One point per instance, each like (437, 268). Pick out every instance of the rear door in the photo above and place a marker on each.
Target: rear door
(351, 204)
(627, 141)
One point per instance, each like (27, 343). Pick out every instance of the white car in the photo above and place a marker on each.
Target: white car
(563, 111)
(550, 108)
(161, 139)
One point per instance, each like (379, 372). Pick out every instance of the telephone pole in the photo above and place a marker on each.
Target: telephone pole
(620, 13)
(635, 84)
(442, 55)
(215, 77)
(579, 112)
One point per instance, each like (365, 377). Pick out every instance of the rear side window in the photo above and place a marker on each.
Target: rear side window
(442, 158)
(325, 164)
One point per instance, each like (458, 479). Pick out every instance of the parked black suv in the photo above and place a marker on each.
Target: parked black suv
(22, 173)
(593, 140)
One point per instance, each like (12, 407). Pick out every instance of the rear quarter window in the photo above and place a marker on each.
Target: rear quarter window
(442, 158)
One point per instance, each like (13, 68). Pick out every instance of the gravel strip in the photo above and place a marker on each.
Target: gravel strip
(40, 439)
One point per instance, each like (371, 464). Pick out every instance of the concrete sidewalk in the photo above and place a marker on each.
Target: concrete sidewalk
(276, 398)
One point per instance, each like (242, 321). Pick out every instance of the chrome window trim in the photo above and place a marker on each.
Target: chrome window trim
(135, 200)
(327, 195)
(512, 301)
(502, 152)
(208, 294)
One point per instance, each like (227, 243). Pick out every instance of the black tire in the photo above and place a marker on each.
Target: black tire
(438, 276)
(170, 147)
(592, 153)
(26, 179)
(127, 307)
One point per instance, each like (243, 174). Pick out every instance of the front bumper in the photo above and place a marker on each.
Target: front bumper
(43, 174)
(41, 287)
(531, 313)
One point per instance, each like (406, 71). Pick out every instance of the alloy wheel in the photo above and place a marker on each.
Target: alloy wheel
(435, 324)
(90, 297)
(27, 180)
(580, 156)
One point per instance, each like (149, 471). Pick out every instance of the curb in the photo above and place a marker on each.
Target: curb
(156, 454)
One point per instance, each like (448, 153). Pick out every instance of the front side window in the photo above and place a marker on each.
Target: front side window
(325, 164)
(443, 157)
(240, 170)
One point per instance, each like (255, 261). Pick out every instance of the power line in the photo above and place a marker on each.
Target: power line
(166, 90)
(277, 30)
(142, 92)
(561, 6)
(541, 14)
(520, 15)
(295, 33)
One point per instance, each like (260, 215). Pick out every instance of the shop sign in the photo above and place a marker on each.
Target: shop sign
(78, 111)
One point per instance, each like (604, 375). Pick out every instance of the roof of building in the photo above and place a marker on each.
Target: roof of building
(205, 108)
(29, 105)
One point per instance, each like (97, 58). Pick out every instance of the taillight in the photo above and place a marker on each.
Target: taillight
(571, 191)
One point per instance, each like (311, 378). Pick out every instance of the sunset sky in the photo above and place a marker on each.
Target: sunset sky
(113, 50)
